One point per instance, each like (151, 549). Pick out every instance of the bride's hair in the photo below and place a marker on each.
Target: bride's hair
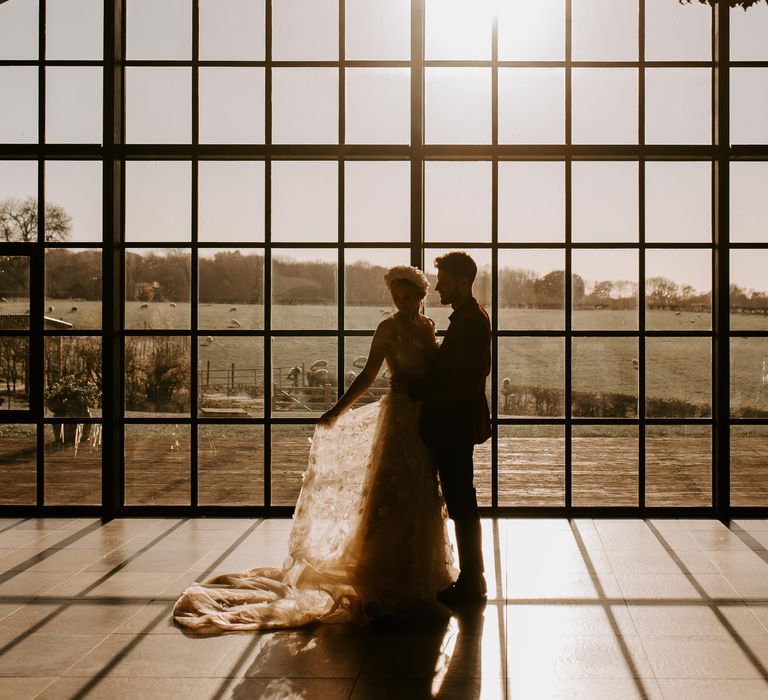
(411, 275)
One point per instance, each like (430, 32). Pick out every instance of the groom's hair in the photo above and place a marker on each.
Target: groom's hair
(457, 263)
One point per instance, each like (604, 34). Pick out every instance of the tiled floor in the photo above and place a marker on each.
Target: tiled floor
(577, 609)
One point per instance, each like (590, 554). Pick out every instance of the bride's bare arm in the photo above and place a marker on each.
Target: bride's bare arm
(381, 340)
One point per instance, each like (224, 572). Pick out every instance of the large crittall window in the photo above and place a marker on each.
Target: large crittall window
(199, 199)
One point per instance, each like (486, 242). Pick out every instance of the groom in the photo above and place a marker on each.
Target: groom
(455, 414)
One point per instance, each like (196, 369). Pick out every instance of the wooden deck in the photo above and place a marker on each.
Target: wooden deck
(531, 471)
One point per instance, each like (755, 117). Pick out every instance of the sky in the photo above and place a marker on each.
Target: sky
(457, 110)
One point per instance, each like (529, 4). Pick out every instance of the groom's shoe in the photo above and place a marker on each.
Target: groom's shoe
(465, 590)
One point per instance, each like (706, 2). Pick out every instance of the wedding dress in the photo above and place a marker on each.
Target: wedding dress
(369, 536)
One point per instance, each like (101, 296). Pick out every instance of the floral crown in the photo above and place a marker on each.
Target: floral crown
(409, 274)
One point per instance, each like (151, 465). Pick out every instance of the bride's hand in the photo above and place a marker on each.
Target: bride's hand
(329, 418)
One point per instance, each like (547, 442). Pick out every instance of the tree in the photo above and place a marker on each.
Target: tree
(18, 221)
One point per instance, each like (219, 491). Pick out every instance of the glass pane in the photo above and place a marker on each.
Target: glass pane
(604, 289)
(457, 201)
(290, 454)
(297, 92)
(531, 31)
(531, 201)
(605, 30)
(677, 32)
(231, 289)
(14, 373)
(14, 292)
(231, 105)
(158, 105)
(678, 289)
(377, 201)
(73, 112)
(305, 201)
(481, 289)
(73, 464)
(303, 377)
(157, 468)
(457, 30)
(678, 105)
(230, 465)
(749, 105)
(157, 376)
(605, 465)
(304, 289)
(219, 184)
(18, 464)
(749, 455)
(157, 288)
(73, 288)
(378, 105)
(749, 205)
(749, 377)
(604, 377)
(686, 217)
(158, 31)
(232, 30)
(531, 289)
(18, 201)
(678, 377)
(532, 377)
(19, 122)
(531, 105)
(230, 377)
(367, 299)
(356, 350)
(158, 201)
(19, 32)
(605, 201)
(678, 465)
(305, 30)
(749, 290)
(73, 192)
(615, 90)
(748, 32)
(457, 105)
(73, 376)
(73, 30)
(531, 465)
(378, 31)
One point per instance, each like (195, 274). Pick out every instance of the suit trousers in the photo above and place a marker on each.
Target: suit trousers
(455, 467)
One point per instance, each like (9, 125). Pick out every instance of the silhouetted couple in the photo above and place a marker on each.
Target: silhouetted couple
(369, 537)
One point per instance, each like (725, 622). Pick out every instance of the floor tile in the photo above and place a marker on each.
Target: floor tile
(701, 619)
(665, 586)
(713, 689)
(133, 688)
(23, 688)
(580, 619)
(584, 689)
(41, 654)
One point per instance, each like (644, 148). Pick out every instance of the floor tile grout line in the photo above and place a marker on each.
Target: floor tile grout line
(737, 638)
(16, 524)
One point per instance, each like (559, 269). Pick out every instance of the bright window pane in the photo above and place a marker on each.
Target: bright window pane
(157, 468)
(749, 455)
(304, 290)
(530, 31)
(19, 122)
(378, 31)
(678, 105)
(678, 377)
(75, 186)
(378, 104)
(219, 184)
(457, 201)
(304, 201)
(230, 467)
(74, 29)
(677, 32)
(157, 288)
(18, 191)
(455, 29)
(18, 31)
(749, 290)
(605, 377)
(531, 465)
(18, 464)
(748, 32)
(158, 106)
(605, 30)
(531, 289)
(367, 299)
(749, 105)
(232, 30)
(615, 91)
(231, 105)
(458, 105)
(157, 201)
(688, 215)
(231, 377)
(230, 291)
(605, 465)
(73, 288)
(298, 92)
(688, 448)
(531, 105)
(749, 205)
(749, 377)
(305, 30)
(73, 105)
(531, 377)
(604, 289)
(605, 201)
(159, 30)
(304, 380)
(531, 201)
(377, 201)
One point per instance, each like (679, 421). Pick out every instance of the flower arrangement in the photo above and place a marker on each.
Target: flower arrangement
(72, 396)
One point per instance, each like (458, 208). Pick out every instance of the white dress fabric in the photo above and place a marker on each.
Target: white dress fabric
(369, 536)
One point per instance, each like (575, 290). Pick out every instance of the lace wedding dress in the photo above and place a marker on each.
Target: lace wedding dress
(369, 536)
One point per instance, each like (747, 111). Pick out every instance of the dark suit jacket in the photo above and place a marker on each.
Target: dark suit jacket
(455, 409)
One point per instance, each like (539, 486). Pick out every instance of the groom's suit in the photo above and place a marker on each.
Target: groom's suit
(455, 418)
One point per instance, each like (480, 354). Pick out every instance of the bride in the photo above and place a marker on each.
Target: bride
(369, 536)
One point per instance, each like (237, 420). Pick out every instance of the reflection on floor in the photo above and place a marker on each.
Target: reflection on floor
(578, 609)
